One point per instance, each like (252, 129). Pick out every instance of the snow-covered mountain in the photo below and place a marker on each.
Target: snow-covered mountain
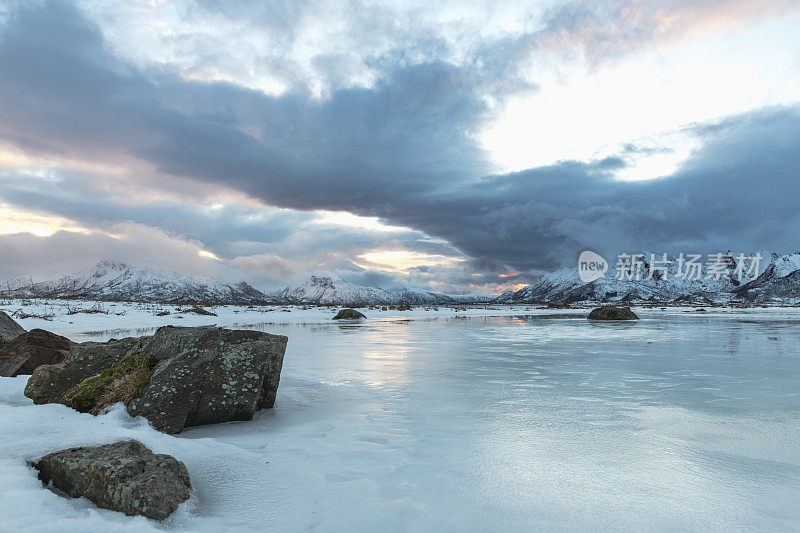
(332, 290)
(118, 281)
(779, 281)
(328, 290)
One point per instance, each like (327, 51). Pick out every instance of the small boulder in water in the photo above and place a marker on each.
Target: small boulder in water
(611, 312)
(125, 476)
(349, 314)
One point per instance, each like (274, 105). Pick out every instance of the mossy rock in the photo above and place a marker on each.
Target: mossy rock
(49, 383)
(349, 314)
(178, 378)
(209, 375)
(122, 382)
(611, 312)
(199, 311)
(125, 476)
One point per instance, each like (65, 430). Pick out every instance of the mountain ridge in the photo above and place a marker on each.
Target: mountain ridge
(110, 280)
(333, 290)
(779, 282)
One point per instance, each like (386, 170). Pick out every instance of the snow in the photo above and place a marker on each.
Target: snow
(786, 264)
(331, 289)
(118, 281)
(565, 283)
(497, 418)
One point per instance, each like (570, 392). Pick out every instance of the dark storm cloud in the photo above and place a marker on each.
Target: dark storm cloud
(227, 230)
(402, 150)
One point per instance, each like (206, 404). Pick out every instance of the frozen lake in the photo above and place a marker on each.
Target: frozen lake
(485, 420)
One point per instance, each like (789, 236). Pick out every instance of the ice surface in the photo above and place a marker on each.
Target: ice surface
(484, 421)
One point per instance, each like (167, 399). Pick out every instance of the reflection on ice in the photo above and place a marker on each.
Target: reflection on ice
(515, 422)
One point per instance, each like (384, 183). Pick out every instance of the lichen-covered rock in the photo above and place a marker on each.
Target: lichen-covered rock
(349, 314)
(180, 377)
(9, 329)
(31, 350)
(125, 476)
(610, 312)
(209, 375)
(49, 383)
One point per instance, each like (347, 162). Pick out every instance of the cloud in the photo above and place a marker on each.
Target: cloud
(607, 30)
(25, 254)
(402, 148)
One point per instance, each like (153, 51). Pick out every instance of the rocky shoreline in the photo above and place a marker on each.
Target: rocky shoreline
(179, 377)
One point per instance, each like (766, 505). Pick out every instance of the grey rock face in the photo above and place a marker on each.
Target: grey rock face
(49, 382)
(31, 350)
(349, 314)
(209, 375)
(9, 329)
(610, 312)
(125, 476)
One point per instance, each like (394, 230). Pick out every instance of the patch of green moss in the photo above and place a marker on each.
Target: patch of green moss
(120, 383)
(348, 314)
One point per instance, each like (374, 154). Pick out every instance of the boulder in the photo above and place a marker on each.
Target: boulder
(125, 476)
(31, 350)
(123, 382)
(9, 329)
(50, 383)
(611, 312)
(209, 375)
(349, 314)
(178, 378)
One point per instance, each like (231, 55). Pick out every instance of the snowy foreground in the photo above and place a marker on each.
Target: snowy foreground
(506, 418)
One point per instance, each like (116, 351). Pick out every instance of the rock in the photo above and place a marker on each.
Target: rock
(209, 375)
(610, 312)
(557, 305)
(31, 350)
(178, 378)
(199, 311)
(125, 476)
(9, 329)
(122, 382)
(49, 383)
(349, 314)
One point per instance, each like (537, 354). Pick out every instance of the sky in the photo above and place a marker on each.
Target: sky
(462, 147)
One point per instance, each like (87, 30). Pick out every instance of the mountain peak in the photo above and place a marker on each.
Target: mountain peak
(114, 280)
(330, 289)
(111, 265)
